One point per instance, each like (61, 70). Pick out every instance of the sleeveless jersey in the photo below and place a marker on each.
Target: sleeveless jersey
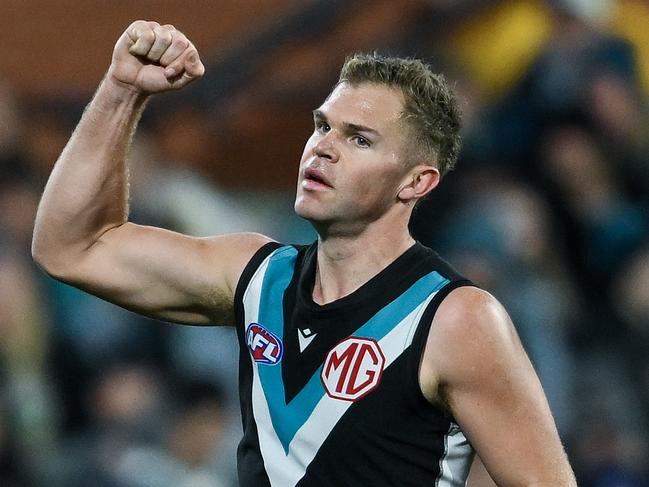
(330, 393)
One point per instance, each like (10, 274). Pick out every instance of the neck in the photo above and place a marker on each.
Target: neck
(347, 261)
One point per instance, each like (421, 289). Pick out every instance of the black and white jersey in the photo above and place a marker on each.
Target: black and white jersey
(330, 393)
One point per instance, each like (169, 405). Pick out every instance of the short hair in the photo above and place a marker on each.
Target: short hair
(430, 109)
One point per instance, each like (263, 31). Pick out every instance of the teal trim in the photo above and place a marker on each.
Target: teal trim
(386, 319)
(276, 279)
(271, 316)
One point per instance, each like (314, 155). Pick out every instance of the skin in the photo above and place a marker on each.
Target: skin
(362, 216)
(359, 194)
(82, 235)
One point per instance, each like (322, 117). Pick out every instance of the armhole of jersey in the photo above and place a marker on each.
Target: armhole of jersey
(246, 276)
(419, 342)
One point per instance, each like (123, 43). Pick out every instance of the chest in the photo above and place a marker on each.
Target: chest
(341, 349)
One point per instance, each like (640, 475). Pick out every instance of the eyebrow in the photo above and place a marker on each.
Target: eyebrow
(349, 127)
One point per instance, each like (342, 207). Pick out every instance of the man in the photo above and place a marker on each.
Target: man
(365, 360)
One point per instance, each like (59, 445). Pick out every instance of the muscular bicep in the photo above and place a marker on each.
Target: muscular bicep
(484, 377)
(164, 274)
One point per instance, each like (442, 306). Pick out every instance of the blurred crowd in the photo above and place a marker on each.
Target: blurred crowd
(548, 210)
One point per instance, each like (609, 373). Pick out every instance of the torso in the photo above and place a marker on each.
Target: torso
(330, 394)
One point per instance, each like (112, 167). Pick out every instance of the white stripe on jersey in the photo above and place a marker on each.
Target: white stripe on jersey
(455, 464)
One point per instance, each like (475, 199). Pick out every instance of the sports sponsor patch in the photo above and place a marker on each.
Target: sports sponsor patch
(264, 347)
(353, 368)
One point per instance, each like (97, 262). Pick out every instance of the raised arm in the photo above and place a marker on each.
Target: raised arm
(82, 235)
(474, 365)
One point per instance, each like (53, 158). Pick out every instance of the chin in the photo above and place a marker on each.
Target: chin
(304, 210)
(309, 210)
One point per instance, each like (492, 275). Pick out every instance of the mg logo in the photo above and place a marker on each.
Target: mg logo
(264, 347)
(353, 368)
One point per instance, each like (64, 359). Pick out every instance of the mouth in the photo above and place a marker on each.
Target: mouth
(315, 179)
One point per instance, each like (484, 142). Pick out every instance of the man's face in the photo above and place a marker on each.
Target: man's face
(351, 168)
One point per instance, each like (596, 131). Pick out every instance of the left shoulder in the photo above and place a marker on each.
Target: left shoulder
(471, 336)
(469, 313)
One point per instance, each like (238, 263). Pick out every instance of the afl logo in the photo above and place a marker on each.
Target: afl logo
(353, 368)
(264, 347)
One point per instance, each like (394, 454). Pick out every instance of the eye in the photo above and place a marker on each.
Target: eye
(322, 126)
(361, 141)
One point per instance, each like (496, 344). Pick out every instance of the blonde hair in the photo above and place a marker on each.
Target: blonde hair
(430, 111)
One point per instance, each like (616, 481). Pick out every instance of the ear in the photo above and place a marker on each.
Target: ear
(420, 181)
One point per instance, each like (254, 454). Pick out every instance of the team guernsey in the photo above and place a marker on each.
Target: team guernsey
(330, 393)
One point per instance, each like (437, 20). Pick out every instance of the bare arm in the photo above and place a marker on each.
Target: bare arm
(82, 235)
(475, 366)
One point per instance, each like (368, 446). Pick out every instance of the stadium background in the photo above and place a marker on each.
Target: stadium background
(548, 210)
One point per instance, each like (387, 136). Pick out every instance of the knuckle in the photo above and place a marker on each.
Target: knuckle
(162, 33)
(181, 43)
(148, 35)
(192, 55)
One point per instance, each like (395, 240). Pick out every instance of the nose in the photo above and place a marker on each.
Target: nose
(325, 148)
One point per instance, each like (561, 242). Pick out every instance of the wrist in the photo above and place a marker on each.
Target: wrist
(117, 92)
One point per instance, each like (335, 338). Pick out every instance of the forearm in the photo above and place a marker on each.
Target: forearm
(87, 192)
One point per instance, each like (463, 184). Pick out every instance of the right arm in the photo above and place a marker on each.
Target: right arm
(82, 235)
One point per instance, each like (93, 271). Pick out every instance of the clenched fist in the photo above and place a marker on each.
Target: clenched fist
(152, 58)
